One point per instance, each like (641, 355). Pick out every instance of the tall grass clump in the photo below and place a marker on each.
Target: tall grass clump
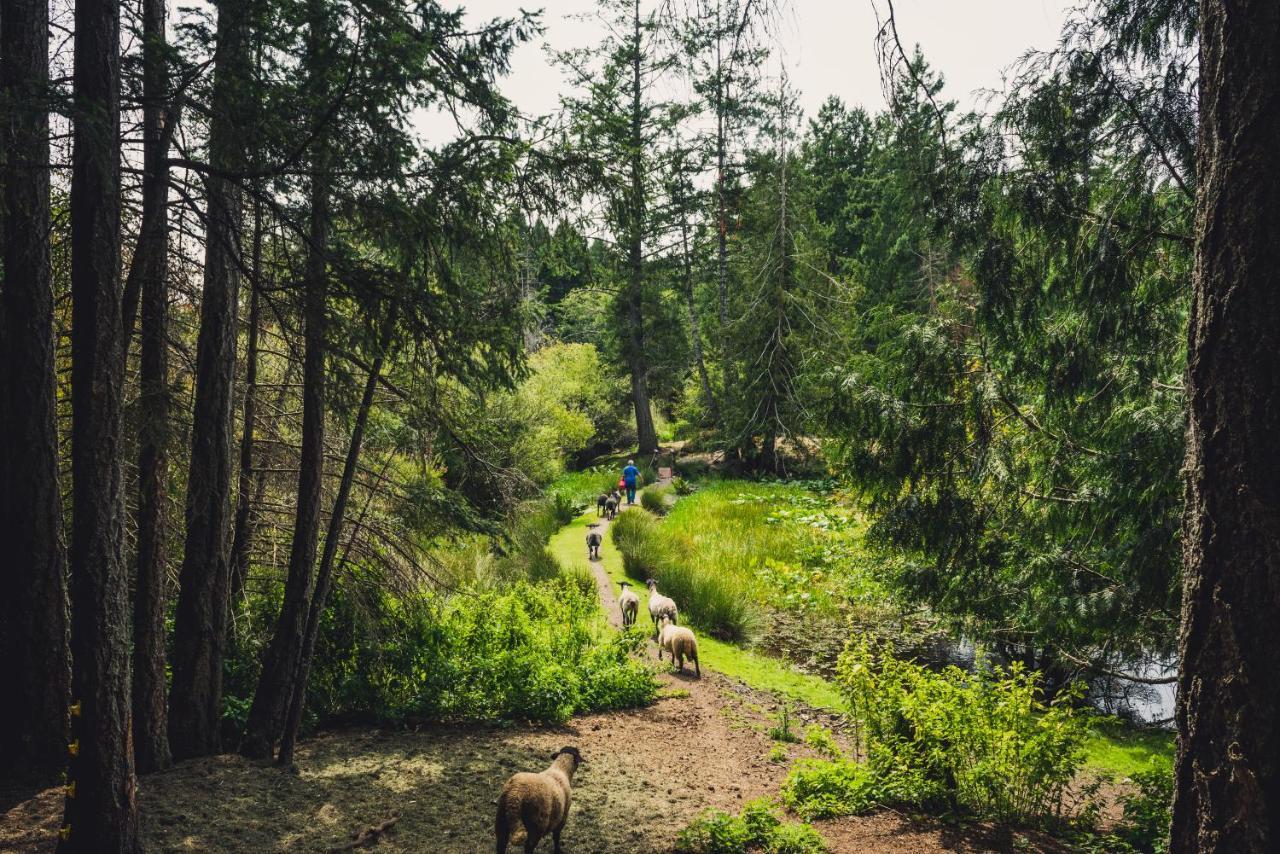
(581, 488)
(722, 605)
(654, 499)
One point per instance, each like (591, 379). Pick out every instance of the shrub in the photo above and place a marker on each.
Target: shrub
(826, 788)
(820, 739)
(681, 486)
(983, 742)
(756, 828)
(1148, 811)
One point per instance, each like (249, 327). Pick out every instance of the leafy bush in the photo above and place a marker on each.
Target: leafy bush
(981, 742)
(820, 739)
(756, 828)
(682, 486)
(827, 788)
(532, 651)
(1148, 811)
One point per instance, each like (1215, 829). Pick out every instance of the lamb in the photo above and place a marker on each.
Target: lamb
(629, 604)
(600, 504)
(611, 506)
(660, 606)
(593, 543)
(680, 643)
(538, 801)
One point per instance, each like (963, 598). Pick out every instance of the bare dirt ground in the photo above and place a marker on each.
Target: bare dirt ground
(705, 744)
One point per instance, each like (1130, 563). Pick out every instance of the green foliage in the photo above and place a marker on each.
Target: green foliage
(821, 739)
(582, 488)
(721, 605)
(756, 828)
(983, 743)
(654, 499)
(682, 486)
(1144, 826)
(782, 730)
(532, 651)
(829, 788)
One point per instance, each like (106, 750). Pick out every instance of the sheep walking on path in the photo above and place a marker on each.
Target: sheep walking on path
(660, 606)
(628, 604)
(680, 643)
(538, 801)
(593, 543)
(611, 506)
(601, 501)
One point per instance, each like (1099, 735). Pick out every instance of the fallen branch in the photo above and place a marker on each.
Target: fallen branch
(367, 836)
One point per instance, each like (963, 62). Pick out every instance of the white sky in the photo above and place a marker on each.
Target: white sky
(828, 45)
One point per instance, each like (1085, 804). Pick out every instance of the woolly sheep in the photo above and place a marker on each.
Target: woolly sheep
(538, 801)
(593, 543)
(680, 643)
(629, 604)
(600, 503)
(660, 606)
(611, 506)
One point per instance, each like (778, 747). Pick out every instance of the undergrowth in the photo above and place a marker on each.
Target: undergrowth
(757, 828)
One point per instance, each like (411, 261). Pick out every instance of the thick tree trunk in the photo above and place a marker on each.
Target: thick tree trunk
(637, 363)
(195, 700)
(101, 811)
(33, 596)
(722, 214)
(244, 494)
(1228, 765)
(150, 715)
(280, 664)
(324, 575)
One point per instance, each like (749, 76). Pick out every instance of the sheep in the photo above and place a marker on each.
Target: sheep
(593, 543)
(538, 801)
(680, 642)
(611, 507)
(660, 606)
(600, 502)
(629, 604)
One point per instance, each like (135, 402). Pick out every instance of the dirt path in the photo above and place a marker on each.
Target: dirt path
(704, 744)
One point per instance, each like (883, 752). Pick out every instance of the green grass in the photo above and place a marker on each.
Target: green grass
(1115, 748)
(582, 487)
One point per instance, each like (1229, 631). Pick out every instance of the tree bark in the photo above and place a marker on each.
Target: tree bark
(101, 813)
(244, 495)
(637, 363)
(695, 331)
(280, 664)
(195, 700)
(33, 595)
(324, 575)
(150, 715)
(1228, 765)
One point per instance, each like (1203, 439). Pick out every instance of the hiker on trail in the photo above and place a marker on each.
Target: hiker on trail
(630, 475)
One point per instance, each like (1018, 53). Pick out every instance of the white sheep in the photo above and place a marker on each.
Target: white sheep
(629, 604)
(660, 606)
(538, 801)
(680, 643)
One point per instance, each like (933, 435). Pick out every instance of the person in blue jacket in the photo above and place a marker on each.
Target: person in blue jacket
(630, 475)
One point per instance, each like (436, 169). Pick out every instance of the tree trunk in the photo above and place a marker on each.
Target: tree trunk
(695, 331)
(637, 363)
(280, 664)
(1228, 765)
(195, 700)
(33, 595)
(244, 495)
(722, 214)
(324, 574)
(150, 716)
(101, 813)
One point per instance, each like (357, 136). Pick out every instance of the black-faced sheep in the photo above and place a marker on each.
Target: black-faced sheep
(680, 643)
(660, 606)
(629, 604)
(611, 506)
(538, 801)
(593, 543)
(600, 502)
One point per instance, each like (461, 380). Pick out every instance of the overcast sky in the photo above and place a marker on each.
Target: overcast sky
(828, 45)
